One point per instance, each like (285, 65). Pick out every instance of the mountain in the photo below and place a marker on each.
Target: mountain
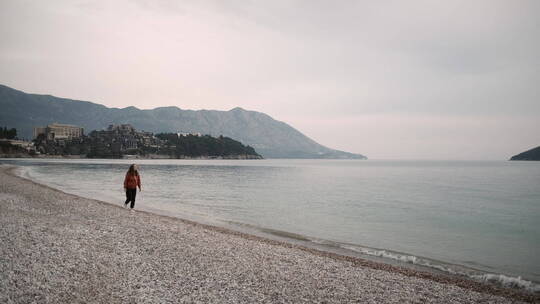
(269, 137)
(532, 154)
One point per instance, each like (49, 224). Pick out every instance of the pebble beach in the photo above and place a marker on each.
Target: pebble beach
(61, 248)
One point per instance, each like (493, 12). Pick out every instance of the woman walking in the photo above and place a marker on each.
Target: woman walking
(131, 182)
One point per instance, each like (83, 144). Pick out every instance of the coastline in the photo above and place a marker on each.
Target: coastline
(269, 267)
(148, 157)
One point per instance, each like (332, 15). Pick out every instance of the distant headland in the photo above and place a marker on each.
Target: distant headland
(532, 154)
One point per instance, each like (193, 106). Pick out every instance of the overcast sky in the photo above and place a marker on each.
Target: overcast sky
(387, 79)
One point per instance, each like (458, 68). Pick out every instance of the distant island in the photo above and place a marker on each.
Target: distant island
(532, 154)
(269, 137)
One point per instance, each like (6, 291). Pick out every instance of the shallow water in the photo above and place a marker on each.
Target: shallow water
(453, 216)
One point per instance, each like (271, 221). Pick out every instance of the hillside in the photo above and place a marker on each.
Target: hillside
(532, 154)
(204, 146)
(271, 138)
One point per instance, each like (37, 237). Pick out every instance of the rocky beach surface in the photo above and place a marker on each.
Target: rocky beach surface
(60, 248)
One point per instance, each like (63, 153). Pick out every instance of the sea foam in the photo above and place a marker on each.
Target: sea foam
(498, 279)
(507, 281)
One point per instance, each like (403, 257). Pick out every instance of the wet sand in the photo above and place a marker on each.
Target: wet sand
(57, 247)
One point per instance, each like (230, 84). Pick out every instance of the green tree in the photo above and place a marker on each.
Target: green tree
(203, 146)
(8, 133)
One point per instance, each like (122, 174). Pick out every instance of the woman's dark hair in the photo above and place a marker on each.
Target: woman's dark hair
(132, 170)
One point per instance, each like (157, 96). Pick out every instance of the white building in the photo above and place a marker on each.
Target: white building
(187, 134)
(59, 131)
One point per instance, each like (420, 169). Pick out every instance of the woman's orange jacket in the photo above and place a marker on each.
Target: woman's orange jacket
(132, 181)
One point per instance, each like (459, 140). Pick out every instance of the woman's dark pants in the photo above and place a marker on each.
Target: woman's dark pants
(130, 197)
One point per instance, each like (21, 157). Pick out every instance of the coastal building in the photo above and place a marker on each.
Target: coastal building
(18, 143)
(38, 131)
(59, 131)
(124, 137)
(188, 134)
(148, 139)
(130, 143)
(122, 128)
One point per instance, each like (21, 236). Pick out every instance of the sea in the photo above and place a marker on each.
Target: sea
(479, 219)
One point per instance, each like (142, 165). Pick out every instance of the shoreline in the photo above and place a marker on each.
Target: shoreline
(353, 264)
(377, 255)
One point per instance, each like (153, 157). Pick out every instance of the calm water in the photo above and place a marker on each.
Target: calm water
(480, 215)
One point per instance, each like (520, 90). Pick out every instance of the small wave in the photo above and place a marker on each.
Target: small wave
(411, 259)
(25, 172)
(385, 254)
(453, 269)
(498, 279)
(513, 282)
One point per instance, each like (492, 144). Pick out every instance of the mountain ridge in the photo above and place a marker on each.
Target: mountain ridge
(271, 138)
